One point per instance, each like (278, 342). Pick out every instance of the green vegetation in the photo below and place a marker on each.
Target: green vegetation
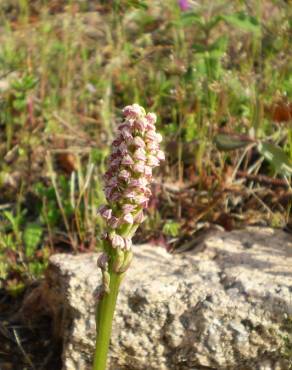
(219, 78)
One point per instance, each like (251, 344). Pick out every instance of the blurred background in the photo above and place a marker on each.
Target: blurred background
(217, 74)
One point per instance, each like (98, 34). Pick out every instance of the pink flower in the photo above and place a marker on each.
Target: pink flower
(141, 199)
(123, 148)
(152, 145)
(114, 196)
(151, 126)
(128, 218)
(116, 240)
(114, 222)
(116, 162)
(117, 141)
(139, 167)
(126, 133)
(106, 213)
(160, 155)
(184, 5)
(127, 208)
(140, 124)
(125, 175)
(139, 218)
(139, 183)
(133, 111)
(130, 194)
(152, 161)
(139, 142)
(151, 118)
(127, 160)
(108, 191)
(140, 155)
(148, 193)
(158, 138)
(113, 181)
(148, 171)
(151, 135)
(123, 126)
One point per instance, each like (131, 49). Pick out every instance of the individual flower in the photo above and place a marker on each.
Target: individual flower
(127, 160)
(128, 218)
(139, 142)
(139, 167)
(140, 155)
(117, 241)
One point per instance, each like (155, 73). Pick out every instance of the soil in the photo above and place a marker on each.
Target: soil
(26, 345)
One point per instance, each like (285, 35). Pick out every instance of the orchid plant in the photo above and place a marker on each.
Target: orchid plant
(135, 152)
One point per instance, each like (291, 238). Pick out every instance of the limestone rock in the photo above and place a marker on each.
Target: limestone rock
(224, 307)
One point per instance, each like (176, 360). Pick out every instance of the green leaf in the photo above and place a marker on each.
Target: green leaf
(138, 4)
(190, 18)
(15, 288)
(31, 237)
(277, 157)
(227, 142)
(212, 23)
(244, 22)
(36, 268)
(171, 228)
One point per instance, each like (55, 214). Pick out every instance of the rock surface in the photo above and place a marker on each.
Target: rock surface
(224, 305)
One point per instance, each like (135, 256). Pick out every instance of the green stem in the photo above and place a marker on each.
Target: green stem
(104, 318)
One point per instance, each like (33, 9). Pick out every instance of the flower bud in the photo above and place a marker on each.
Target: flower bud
(118, 260)
(102, 261)
(128, 243)
(106, 281)
(127, 261)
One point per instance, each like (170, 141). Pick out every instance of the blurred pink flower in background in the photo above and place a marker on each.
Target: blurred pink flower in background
(184, 5)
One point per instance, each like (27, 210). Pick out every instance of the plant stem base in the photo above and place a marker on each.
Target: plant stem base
(104, 318)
